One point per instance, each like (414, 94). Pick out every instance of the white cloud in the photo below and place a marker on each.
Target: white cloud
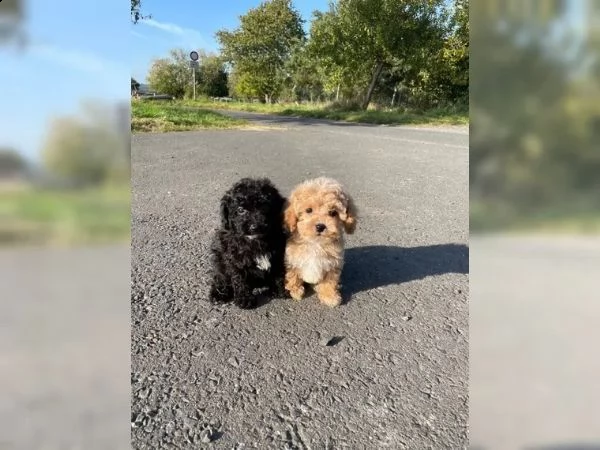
(168, 27)
(187, 37)
(139, 35)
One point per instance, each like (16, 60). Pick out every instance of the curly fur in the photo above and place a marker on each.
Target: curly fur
(248, 248)
(317, 214)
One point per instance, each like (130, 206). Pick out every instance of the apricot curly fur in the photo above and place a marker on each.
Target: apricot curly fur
(317, 214)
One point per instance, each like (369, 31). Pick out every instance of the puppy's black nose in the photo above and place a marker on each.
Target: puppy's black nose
(320, 227)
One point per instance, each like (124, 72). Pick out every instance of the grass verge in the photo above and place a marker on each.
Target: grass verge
(436, 116)
(484, 219)
(158, 117)
(433, 117)
(33, 217)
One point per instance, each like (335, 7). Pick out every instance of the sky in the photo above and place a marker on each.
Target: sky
(81, 54)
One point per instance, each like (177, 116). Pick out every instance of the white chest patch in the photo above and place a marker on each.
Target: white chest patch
(312, 270)
(263, 263)
(313, 262)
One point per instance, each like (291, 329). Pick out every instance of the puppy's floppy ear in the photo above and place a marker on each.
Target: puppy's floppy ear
(225, 212)
(350, 217)
(290, 219)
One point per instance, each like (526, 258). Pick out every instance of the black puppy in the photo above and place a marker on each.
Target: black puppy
(248, 249)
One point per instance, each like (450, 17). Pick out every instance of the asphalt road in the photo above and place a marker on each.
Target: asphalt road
(396, 376)
(534, 366)
(64, 348)
(265, 378)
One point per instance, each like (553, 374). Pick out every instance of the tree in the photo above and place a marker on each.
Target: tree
(12, 20)
(88, 149)
(136, 11)
(534, 119)
(260, 47)
(328, 47)
(304, 79)
(212, 77)
(171, 75)
(449, 69)
(366, 36)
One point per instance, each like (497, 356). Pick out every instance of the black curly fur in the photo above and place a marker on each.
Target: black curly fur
(252, 207)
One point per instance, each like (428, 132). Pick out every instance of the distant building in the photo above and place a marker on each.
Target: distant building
(145, 89)
(135, 86)
(14, 170)
(139, 88)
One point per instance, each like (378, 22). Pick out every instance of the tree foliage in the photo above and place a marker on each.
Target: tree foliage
(535, 115)
(136, 11)
(408, 53)
(367, 36)
(211, 77)
(173, 75)
(260, 47)
(88, 149)
(450, 68)
(170, 75)
(327, 46)
(304, 79)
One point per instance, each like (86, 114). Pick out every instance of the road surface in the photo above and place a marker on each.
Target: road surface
(64, 342)
(266, 378)
(64, 348)
(396, 376)
(534, 366)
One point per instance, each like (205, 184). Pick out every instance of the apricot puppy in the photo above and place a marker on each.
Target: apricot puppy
(317, 214)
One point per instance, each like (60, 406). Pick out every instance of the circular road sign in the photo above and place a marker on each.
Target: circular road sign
(194, 56)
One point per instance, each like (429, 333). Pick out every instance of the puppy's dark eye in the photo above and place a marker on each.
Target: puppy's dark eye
(333, 213)
(241, 210)
(308, 210)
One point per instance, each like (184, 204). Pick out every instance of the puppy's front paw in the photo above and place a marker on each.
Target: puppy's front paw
(246, 302)
(296, 292)
(219, 293)
(331, 299)
(328, 291)
(278, 288)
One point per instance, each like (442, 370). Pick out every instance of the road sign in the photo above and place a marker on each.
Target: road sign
(194, 64)
(194, 56)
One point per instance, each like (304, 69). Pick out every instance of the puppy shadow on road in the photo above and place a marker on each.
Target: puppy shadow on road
(380, 265)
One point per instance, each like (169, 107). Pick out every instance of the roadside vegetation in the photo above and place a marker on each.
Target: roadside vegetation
(163, 116)
(64, 217)
(450, 115)
(77, 192)
(382, 62)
